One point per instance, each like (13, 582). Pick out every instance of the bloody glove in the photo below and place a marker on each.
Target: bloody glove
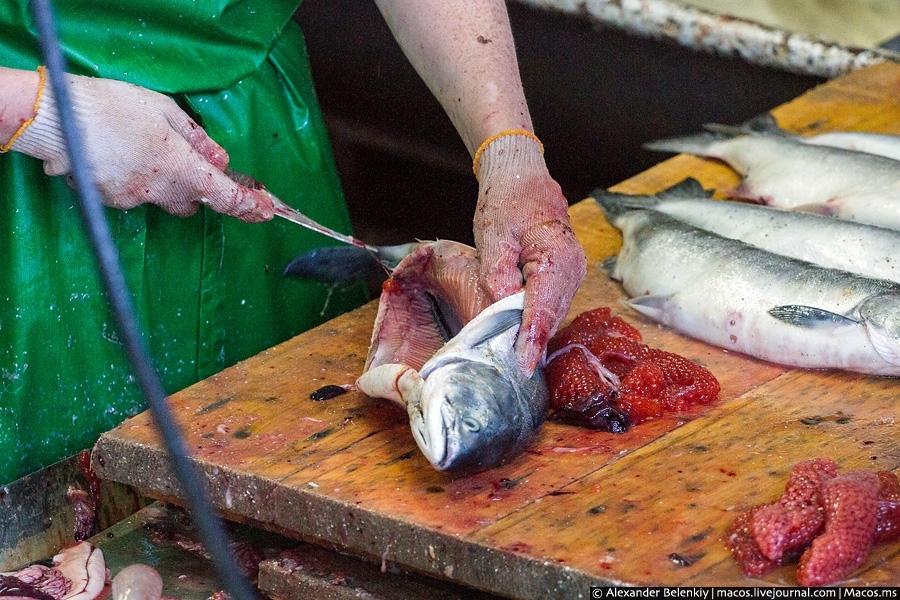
(522, 235)
(142, 149)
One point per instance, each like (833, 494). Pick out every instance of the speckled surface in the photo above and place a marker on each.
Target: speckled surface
(722, 34)
(860, 23)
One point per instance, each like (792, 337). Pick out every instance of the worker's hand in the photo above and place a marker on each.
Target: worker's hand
(143, 149)
(522, 234)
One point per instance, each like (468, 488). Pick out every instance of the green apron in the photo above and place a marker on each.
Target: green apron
(208, 289)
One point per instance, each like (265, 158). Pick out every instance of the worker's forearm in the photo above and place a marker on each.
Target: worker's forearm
(464, 52)
(18, 92)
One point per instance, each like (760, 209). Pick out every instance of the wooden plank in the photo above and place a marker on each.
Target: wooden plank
(579, 508)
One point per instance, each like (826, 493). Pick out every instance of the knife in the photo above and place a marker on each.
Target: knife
(388, 256)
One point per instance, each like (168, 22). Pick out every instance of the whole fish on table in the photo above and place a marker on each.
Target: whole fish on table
(882, 144)
(739, 297)
(855, 247)
(786, 173)
(444, 352)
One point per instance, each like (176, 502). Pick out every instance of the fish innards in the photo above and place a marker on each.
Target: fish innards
(712, 593)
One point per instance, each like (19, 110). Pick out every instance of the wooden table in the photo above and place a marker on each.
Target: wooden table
(580, 508)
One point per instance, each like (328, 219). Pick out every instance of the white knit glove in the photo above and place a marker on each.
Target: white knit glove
(143, 149)
(522, 235)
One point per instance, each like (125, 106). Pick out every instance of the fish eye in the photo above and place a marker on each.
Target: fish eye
(470, 424)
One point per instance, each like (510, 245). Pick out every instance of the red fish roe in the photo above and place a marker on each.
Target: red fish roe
(826, 519)
(742, 544)
(851, 510)
(577, 383)
(599, 322)
(797, 517)
(888, 528)
(621, 371)
(641, 392)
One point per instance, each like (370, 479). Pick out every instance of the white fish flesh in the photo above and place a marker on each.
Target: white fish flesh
(786, 173)
(742, 298)
(442, 351)
(835, 243)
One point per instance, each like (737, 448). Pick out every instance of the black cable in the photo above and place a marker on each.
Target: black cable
(212, 531)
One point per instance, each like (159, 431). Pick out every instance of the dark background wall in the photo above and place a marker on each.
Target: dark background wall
(595, 94)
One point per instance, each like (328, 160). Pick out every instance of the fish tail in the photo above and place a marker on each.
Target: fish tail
(615, 204)
(764, 124)
(726, 130)
(699, 144)
(334, 265)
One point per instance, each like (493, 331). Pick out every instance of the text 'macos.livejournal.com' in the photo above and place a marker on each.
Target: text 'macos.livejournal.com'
(754, 593)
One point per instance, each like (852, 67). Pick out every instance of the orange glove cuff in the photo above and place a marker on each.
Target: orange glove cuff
(488, 141)
(37, 102)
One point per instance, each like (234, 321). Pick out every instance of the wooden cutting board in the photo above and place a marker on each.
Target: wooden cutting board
(579, 508)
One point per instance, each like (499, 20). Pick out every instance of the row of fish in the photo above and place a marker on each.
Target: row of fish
(796, 288)
(787, 171)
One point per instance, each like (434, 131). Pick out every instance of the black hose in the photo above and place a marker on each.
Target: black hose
(212, 531)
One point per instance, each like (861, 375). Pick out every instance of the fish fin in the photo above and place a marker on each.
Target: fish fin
(687, 188)
(493, 326)
(809, 316)
(697, 143)
(650, 306)
(608, 266)
(766, 123)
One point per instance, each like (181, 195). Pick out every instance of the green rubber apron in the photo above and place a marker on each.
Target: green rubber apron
(208, 289)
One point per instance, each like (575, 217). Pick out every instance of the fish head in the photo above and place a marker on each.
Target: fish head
(881, 315)
(472, 417)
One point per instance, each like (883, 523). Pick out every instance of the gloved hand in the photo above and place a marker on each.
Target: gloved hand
(143, 148)
(522, 234)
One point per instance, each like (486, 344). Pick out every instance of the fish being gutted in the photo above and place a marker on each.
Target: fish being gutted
(783, 172)
(862, 249)
(742, 298)
(444, 352)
